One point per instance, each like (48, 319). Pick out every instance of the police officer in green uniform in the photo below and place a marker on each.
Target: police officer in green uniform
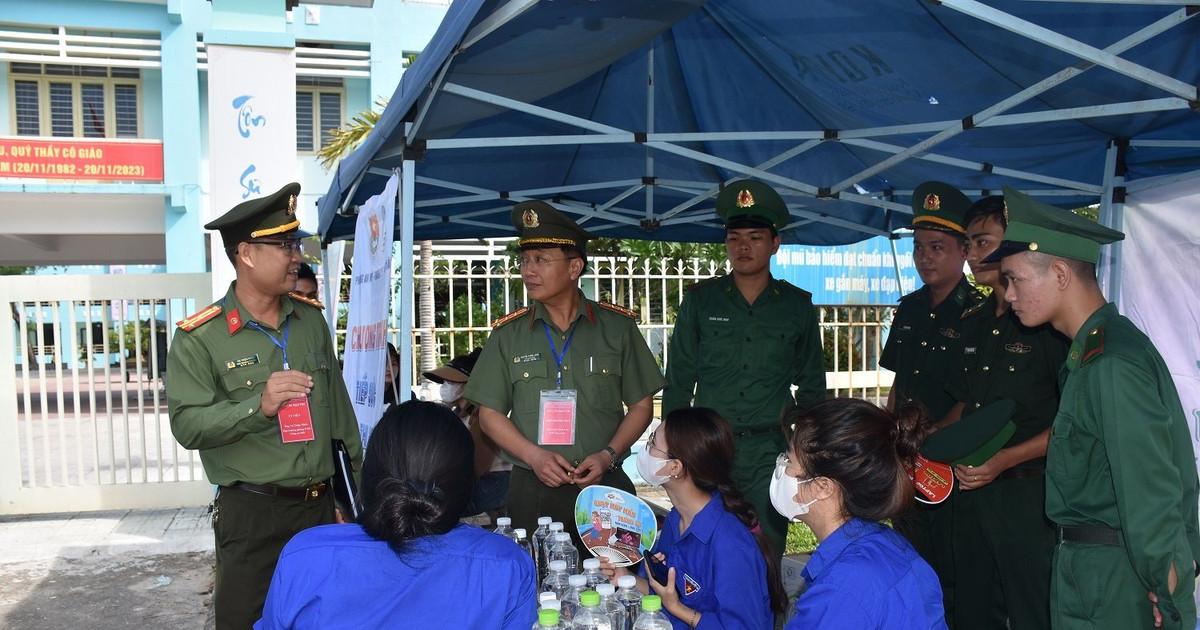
(1121, 478)
(231, 369)
(565, 385)
(742, 340)
(1002, 541)
(922, 347)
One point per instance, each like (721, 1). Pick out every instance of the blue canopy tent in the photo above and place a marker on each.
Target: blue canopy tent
(629, 114)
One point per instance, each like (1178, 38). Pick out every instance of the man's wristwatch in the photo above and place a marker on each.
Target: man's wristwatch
(612, 465)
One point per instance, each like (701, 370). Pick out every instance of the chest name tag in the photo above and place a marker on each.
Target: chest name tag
(527, 358)
(242, 362)
(556, 417)
(295, 421)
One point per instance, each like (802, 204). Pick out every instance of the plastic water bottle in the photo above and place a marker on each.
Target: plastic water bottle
(630, 599)
(591, 571)
(504, 528)
(539, 544)
(652, 617)
(555, 527)
(523, 541)
(610, 605)
(563, 549)
(556, 579)
(576, 585)
(590, 615)
(547, 620)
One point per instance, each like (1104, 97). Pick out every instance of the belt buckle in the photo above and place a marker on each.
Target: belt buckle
(314, 491)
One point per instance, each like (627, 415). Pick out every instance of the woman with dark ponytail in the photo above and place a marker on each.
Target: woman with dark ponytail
(410, 563)
(845, 470)
(722, 571)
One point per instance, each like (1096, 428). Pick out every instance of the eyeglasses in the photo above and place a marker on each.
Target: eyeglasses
(291, 246)
(781, 464)
(538, 262)
(650, 445)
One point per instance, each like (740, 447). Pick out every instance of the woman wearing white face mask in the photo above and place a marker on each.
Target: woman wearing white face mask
(492, 473)
(845, 470)
(722, 572)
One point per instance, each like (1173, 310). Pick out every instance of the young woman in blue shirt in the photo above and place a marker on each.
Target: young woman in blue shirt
(722, 572)
(845, 470)
(410, 563)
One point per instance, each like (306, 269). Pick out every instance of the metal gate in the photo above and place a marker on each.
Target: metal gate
(83, 412)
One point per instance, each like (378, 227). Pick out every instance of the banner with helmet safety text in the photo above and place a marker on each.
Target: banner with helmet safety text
(370, 298)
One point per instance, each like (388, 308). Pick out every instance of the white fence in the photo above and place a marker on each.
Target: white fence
(83, 416)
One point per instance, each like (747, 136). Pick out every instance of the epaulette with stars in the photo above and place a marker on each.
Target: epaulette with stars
(306, 300)
(973, 310)
(1093, 346)
(511, 316)
(193, 321)
(618, 309)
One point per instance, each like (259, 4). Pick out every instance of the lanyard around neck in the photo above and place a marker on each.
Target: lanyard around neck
(282, 345)
(558, 358)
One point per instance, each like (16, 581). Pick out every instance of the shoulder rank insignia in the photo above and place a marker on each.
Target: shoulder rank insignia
(703, 283)
(190, 323)
(618, 309)
(797, 289)
(309, 301)
(1093, 346)
(972, 310)
(511, 316)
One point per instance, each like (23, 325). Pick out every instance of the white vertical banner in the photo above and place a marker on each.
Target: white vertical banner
(1159, 292)
(251, 133)
(370, 301)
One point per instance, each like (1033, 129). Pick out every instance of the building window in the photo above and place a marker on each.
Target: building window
(318, 111)
(76, 101)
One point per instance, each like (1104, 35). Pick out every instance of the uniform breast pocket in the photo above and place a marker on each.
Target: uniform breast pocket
(316, 365)
(242, 383)
(528, 381)
(1063, 465)
(779, 345)
(604, 379)
(718, 344)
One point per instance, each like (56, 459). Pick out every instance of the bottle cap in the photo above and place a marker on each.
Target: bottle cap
(589, 598)
(627, 581)
(651, 603)
(562, 536)
(503, 521)
(520, 532)
(606, 590)
(576, 580)
(544, 520)
(547, 617)
(552, 604)
(558, 565)
(546, 596)
(591, 563)
(556, 526)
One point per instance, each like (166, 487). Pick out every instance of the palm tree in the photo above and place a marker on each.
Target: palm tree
(347, 138)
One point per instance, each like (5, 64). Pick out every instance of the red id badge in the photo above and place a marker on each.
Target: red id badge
(295, 421)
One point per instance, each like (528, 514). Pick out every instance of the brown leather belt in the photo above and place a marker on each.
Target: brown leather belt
(1023, 473)
(315, 491)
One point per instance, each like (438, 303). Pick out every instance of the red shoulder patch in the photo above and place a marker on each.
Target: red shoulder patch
(190, 323)
(618, 309)
(301, 298)
(1094, 346)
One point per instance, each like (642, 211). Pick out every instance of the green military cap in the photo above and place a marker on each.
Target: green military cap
(271, 216)
(541, 225)
(975, 438)
(748, 202)
(1034, 226)
(939, 206)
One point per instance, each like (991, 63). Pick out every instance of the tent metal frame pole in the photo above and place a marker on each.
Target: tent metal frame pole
(1073, 47)
(1110, 259)
(407, 286)
(649, 129)
(499, 18)
(1165, 180)
(1026, 94)
(896, 264)
(1166, 144)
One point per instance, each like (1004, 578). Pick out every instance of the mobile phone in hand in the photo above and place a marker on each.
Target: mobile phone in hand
(655, 568)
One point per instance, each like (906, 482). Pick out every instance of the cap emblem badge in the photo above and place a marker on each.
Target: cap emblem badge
(745, 199)
(291, 207)
(933, 203)
(529, 218)
(1005, 204)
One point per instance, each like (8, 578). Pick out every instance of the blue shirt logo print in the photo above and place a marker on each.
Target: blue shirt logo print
(246, 118)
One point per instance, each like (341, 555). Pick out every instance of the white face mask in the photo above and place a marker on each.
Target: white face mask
(649, 465)
(783, 494)
(450, 392)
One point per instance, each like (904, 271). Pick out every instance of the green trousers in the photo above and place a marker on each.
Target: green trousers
(1003, 547)
(251, 530)
(753, 464)
(1094, 586)
(529, 498)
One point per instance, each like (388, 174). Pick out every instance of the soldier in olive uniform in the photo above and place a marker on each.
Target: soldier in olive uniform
(565, 385)
(1002, 541)
(1121, 478)
(254, 385)
(922, 346)
(742, 340)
